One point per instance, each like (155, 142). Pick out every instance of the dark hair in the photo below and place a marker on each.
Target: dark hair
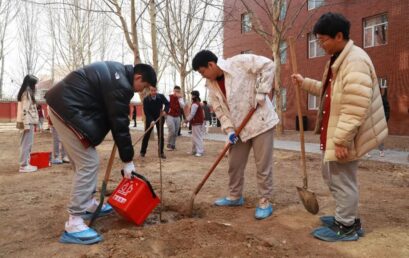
(332, 23)
(203, 58)
(147, 72)
(204, 102)
(29, 81)
(177, 88)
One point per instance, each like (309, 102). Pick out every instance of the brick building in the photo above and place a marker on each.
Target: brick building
(381, 28)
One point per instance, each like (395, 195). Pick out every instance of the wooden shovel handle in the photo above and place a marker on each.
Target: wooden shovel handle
(146, 131)
(300, 122)
(225, 149)
(110, 164)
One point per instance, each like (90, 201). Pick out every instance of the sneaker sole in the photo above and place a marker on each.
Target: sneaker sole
(88, 216)
(67, 239)
(348, 238)
(27, 171)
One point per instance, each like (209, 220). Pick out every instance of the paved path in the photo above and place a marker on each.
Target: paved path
(391, 156)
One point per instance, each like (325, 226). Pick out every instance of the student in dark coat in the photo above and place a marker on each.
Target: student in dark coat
(154, 105)
(84, 107)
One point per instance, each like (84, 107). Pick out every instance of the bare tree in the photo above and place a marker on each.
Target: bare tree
(72, 33)
(30, 50)
(130, 34)
(7, 14)
(185, 29)
(274, 33)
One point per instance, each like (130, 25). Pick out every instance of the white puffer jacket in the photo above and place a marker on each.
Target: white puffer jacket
(357, 119)
(245, 75)
(27, 112)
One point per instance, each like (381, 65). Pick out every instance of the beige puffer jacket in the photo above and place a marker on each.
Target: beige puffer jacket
(357, 119)
(244, 75)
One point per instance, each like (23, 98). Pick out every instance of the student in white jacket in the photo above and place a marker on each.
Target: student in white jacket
(27, 118)
(235, 86)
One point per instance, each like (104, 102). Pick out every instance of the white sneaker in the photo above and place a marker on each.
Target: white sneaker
(263, 203)
(381, 154)
(75, 224)
(198, 154)
(65, 160)
(27, 169)
(367, 155)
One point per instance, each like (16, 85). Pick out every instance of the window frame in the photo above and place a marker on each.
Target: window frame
(283, 10)
(246, 28)
(316, 102)
(248, 51)
(372, 28)
(314, 6)
(316, 48)
(383, 82)
(283, 50)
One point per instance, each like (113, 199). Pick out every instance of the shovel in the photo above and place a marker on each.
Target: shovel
(219, 158)
(146, 131)
(104, 186)
(307, 197)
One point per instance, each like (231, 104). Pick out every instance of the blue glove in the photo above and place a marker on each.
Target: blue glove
(232, 137)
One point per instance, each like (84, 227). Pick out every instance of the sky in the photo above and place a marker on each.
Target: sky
(118, 51)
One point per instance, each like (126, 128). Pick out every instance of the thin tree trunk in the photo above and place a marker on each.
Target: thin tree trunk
(152, 15)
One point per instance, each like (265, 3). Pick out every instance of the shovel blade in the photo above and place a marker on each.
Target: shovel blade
(189, 211)
(309, 200)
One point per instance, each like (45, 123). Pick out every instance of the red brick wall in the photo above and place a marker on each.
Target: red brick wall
(390, 61)
(8, 111)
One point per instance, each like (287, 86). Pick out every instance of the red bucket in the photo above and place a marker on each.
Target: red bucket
(134, 199)
(40, 159)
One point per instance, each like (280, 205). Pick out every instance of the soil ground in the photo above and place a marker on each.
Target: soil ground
(33, 209)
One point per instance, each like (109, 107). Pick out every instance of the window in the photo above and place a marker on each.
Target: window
(313, 103)
(245, 22)
(283, 52)
(383, 83)
(283, 10)
(376, 31)
(312, 4)
(314, 48)
(249, 51)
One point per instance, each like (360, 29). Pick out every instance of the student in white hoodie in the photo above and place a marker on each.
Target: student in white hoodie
(235, 86)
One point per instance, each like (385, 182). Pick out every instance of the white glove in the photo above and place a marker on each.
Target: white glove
(128, 169)
(261, 98)
(232, 137)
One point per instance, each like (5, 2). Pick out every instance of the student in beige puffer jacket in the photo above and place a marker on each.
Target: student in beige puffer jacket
(351, 121)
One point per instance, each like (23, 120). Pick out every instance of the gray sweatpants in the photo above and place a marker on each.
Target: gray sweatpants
(173, 129)
(197, 139)
(56, 145)
(85, 162)
(342, 182)
(263, 154)
(26, 142)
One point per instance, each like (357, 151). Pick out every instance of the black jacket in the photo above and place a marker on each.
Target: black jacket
(94, 100)
(152, 108)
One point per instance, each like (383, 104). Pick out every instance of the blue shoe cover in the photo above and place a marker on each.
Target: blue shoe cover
(226, 202)
(329, 235)
(328, 221)
(262, 213)
(86, 237)
(105, 210)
